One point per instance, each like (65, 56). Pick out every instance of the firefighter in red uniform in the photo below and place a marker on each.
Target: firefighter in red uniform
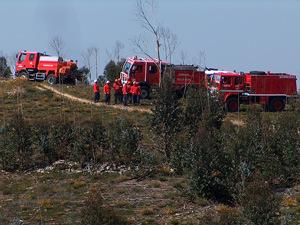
(139, 93)
(117, 93)
(136, 92)
(120, 90)
(96, 91)
(129, 94)
(106, 90)
(125, 94)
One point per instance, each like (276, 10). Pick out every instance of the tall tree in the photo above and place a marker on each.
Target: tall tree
(169, 42)
(57, 45)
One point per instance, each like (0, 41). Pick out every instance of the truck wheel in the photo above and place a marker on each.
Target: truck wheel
(51, 79)
(145, 93)
(276, 105)
(23, 75)
(232, 105)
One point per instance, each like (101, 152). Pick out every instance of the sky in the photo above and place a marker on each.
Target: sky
(240, 35)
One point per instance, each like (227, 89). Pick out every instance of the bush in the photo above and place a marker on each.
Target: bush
(260, 204)
(124, 138)
(166, 117)
(16, 146)
(95, 212)
(224, 216)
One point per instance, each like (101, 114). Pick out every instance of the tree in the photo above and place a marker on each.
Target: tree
(117, 52)
(57, 44)
(112, 70)
(4, 68)
(166, 117)
(86, 56)
(144, 13)
(170, 42)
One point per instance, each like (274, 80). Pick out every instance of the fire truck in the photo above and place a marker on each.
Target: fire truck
(272, 90)
(40, 66)
(147, 73)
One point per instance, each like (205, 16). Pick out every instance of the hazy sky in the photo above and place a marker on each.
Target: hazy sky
(235, 34)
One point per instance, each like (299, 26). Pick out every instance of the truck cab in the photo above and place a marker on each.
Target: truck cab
(144, 71)
(27, 63)
(230, 85)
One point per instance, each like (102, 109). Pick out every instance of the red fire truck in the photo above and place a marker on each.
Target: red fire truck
(147, 73)
(39, 66)
(271, 90)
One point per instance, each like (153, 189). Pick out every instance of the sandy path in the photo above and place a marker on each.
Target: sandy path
(85, 101)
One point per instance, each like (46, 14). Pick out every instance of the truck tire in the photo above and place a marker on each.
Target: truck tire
(232, 105)
(23, 74)
(276, 105)
(51, 79)
(145, 92)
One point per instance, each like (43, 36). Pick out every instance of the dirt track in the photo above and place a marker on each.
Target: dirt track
(85, 101)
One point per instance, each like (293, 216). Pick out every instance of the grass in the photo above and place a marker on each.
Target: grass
(57, 197)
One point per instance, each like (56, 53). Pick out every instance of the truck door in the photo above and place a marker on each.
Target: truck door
(137, 72)
(22, 61)
(226, 82)
(152, 73)
(238, 83)
(32, 61)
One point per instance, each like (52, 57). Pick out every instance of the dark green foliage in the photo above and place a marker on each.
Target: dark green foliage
(260, 204)
(112, 70)
(210, 166)
(16, 145)
(166, 117)
(25, 145)
(82, 74)
(124, 140)
(96, 213)
(4, 68)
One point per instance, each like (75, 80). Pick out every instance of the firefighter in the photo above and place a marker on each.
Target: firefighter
(120, 90)
(125, 94)
(106, 90)
(96, 91)
(139, 93)
(117, 93)
(136, 93)
(129, 94)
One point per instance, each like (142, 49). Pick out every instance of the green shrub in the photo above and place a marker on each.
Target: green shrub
(124, 138)
(95, 212)
(260, 205)
(16, 146)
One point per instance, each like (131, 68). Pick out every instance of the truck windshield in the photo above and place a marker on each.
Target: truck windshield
(215, 80)
(126, 67)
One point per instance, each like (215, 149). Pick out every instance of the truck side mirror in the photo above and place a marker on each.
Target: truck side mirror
(16, 55)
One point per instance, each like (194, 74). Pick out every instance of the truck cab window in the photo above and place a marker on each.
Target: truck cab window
(31, 57)
(152, 69)
(238, 80)
(22, 57)
(226, 80)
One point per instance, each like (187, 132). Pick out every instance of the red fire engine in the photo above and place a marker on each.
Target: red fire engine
(39, 66)
(271, 90)
(147, 73)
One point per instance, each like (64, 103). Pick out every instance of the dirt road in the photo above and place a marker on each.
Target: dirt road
(86, 101)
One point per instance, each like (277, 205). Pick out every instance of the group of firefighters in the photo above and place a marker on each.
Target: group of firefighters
(129, 92)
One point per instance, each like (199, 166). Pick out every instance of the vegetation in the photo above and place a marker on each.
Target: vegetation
(112, 70)
(196, 157)
(4, 68)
